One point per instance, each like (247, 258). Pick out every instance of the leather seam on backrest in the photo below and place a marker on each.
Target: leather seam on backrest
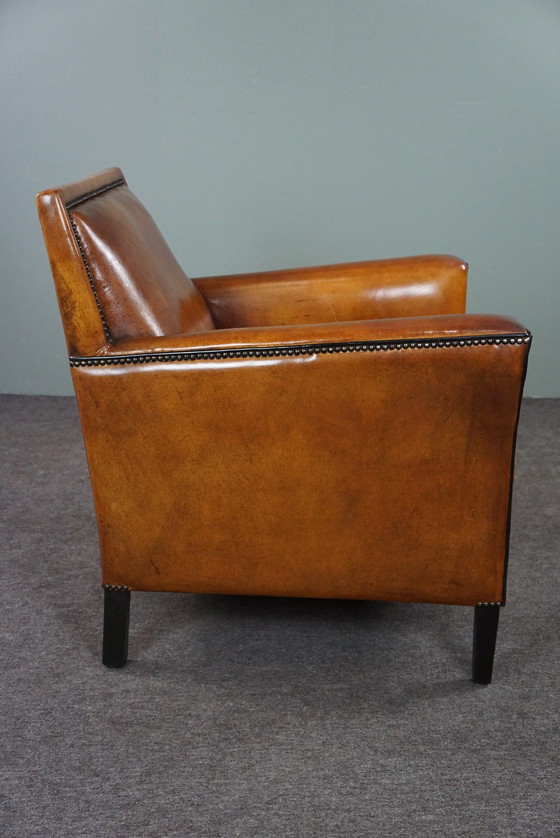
(88, 270)
(69, 205)
(93, 193)
(302, 349)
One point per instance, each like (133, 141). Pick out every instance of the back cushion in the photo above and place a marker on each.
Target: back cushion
(140, 287)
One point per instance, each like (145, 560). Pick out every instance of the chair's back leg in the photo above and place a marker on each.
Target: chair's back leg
(486, 616)
(115, 626)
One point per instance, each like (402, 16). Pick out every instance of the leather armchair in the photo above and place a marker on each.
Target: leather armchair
(343, 431)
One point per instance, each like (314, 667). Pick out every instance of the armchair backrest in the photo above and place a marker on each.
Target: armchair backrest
(114, 273)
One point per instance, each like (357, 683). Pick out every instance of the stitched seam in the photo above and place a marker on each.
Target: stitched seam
(289, 351)
(93, 193)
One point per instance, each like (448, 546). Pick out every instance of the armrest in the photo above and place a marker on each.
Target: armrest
(397, 332)
(405, 287)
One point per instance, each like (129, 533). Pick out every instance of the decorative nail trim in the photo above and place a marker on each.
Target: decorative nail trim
(81, 199)
(289, 351)
(116, 587)
(89, 275)
(93, 193)
(478, 604)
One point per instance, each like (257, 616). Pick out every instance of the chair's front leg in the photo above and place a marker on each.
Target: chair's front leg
(486, 616)
(115, 626)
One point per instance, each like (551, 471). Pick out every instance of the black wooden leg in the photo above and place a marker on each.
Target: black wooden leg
(486, 618)
(115, 627)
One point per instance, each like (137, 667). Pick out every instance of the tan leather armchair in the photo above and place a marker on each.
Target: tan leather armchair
(343, 431)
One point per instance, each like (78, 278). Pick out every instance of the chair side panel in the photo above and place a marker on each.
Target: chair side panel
(376, 475)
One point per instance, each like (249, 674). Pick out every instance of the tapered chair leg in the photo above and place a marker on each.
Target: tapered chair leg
(486, 617)
(115, 627)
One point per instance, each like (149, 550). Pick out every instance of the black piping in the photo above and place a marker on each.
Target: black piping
(93, 193)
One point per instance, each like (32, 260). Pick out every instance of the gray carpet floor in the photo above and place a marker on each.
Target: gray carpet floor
(263, 718)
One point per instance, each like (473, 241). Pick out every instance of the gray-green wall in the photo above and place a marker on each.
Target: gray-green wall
(275, 133)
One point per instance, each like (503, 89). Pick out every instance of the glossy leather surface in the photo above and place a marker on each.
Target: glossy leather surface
(370, 474)
(405, 287)
(344, 431)
(362, 331)
(139, 289)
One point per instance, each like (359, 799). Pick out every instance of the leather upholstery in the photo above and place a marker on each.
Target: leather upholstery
(139, 289)
(333, 293)
(340, 431)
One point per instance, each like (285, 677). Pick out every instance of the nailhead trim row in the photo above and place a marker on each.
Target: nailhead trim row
(93, 193)
(89, 276)
(126, 588)
(283, 351)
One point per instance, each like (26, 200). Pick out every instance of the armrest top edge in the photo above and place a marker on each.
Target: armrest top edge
(421, 332)
(342, 269)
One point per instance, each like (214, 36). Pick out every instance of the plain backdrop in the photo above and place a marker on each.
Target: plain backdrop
(275, 133)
